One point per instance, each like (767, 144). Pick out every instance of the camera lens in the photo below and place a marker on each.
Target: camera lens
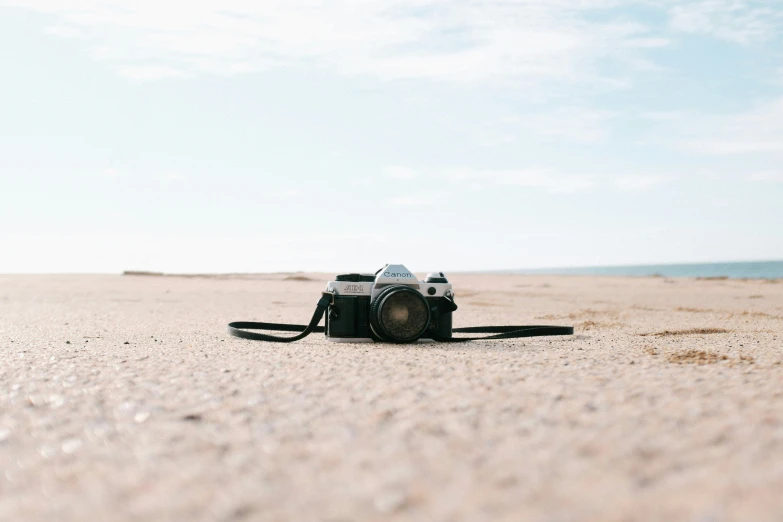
(399, 314)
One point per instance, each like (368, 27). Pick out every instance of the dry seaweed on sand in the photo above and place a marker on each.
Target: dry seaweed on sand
(298, 277)
(696, 357)
(691, 331)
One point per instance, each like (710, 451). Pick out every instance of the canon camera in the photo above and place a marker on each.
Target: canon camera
(391, 305)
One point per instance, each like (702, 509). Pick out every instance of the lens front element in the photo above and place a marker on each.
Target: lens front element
(399, 314)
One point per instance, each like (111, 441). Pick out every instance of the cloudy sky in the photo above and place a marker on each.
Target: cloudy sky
(254, 135)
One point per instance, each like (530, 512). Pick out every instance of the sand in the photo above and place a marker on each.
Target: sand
(122, 398)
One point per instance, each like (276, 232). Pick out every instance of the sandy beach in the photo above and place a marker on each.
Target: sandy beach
(122, 398)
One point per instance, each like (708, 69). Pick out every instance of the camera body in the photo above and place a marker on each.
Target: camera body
(391, 305)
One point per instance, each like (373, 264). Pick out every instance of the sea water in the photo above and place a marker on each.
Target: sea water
(734, 270)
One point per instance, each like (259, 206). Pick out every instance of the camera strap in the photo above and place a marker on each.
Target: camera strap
(240, 329)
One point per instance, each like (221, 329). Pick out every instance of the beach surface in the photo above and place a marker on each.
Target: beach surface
(123, 398)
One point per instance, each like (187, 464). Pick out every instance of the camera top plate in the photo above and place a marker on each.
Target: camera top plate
(355, 284)
(356, 278)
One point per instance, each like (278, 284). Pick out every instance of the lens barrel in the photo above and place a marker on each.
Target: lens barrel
(399, 314)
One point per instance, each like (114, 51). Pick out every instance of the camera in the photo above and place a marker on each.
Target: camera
(391, 305)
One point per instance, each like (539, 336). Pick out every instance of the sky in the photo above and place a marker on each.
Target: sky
(256, 136)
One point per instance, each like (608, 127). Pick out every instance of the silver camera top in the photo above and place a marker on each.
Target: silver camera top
(434, 285)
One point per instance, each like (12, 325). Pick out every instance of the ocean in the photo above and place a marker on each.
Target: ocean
(734, 270)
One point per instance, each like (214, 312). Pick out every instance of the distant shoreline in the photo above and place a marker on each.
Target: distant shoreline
(753, 270)
(723, 270)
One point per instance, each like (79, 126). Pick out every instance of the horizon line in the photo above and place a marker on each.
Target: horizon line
(539, 269)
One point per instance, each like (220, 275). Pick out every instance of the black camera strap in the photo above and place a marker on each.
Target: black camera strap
(240, 329)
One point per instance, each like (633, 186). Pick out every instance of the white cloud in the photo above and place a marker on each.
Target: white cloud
(398, 172)
(775, 176)
(563, 124)
(538, 178)
(125, 173)
(636, 183)
(151, 72)
(545, 179)
(284, 194)
(412, 201)
(650, 43)
(493, 136)
(576, 124)
(738, 21)
(758, 130)
(173, 176)
(664, 116)
(64, 31)
(523, 41)
(112, 173)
